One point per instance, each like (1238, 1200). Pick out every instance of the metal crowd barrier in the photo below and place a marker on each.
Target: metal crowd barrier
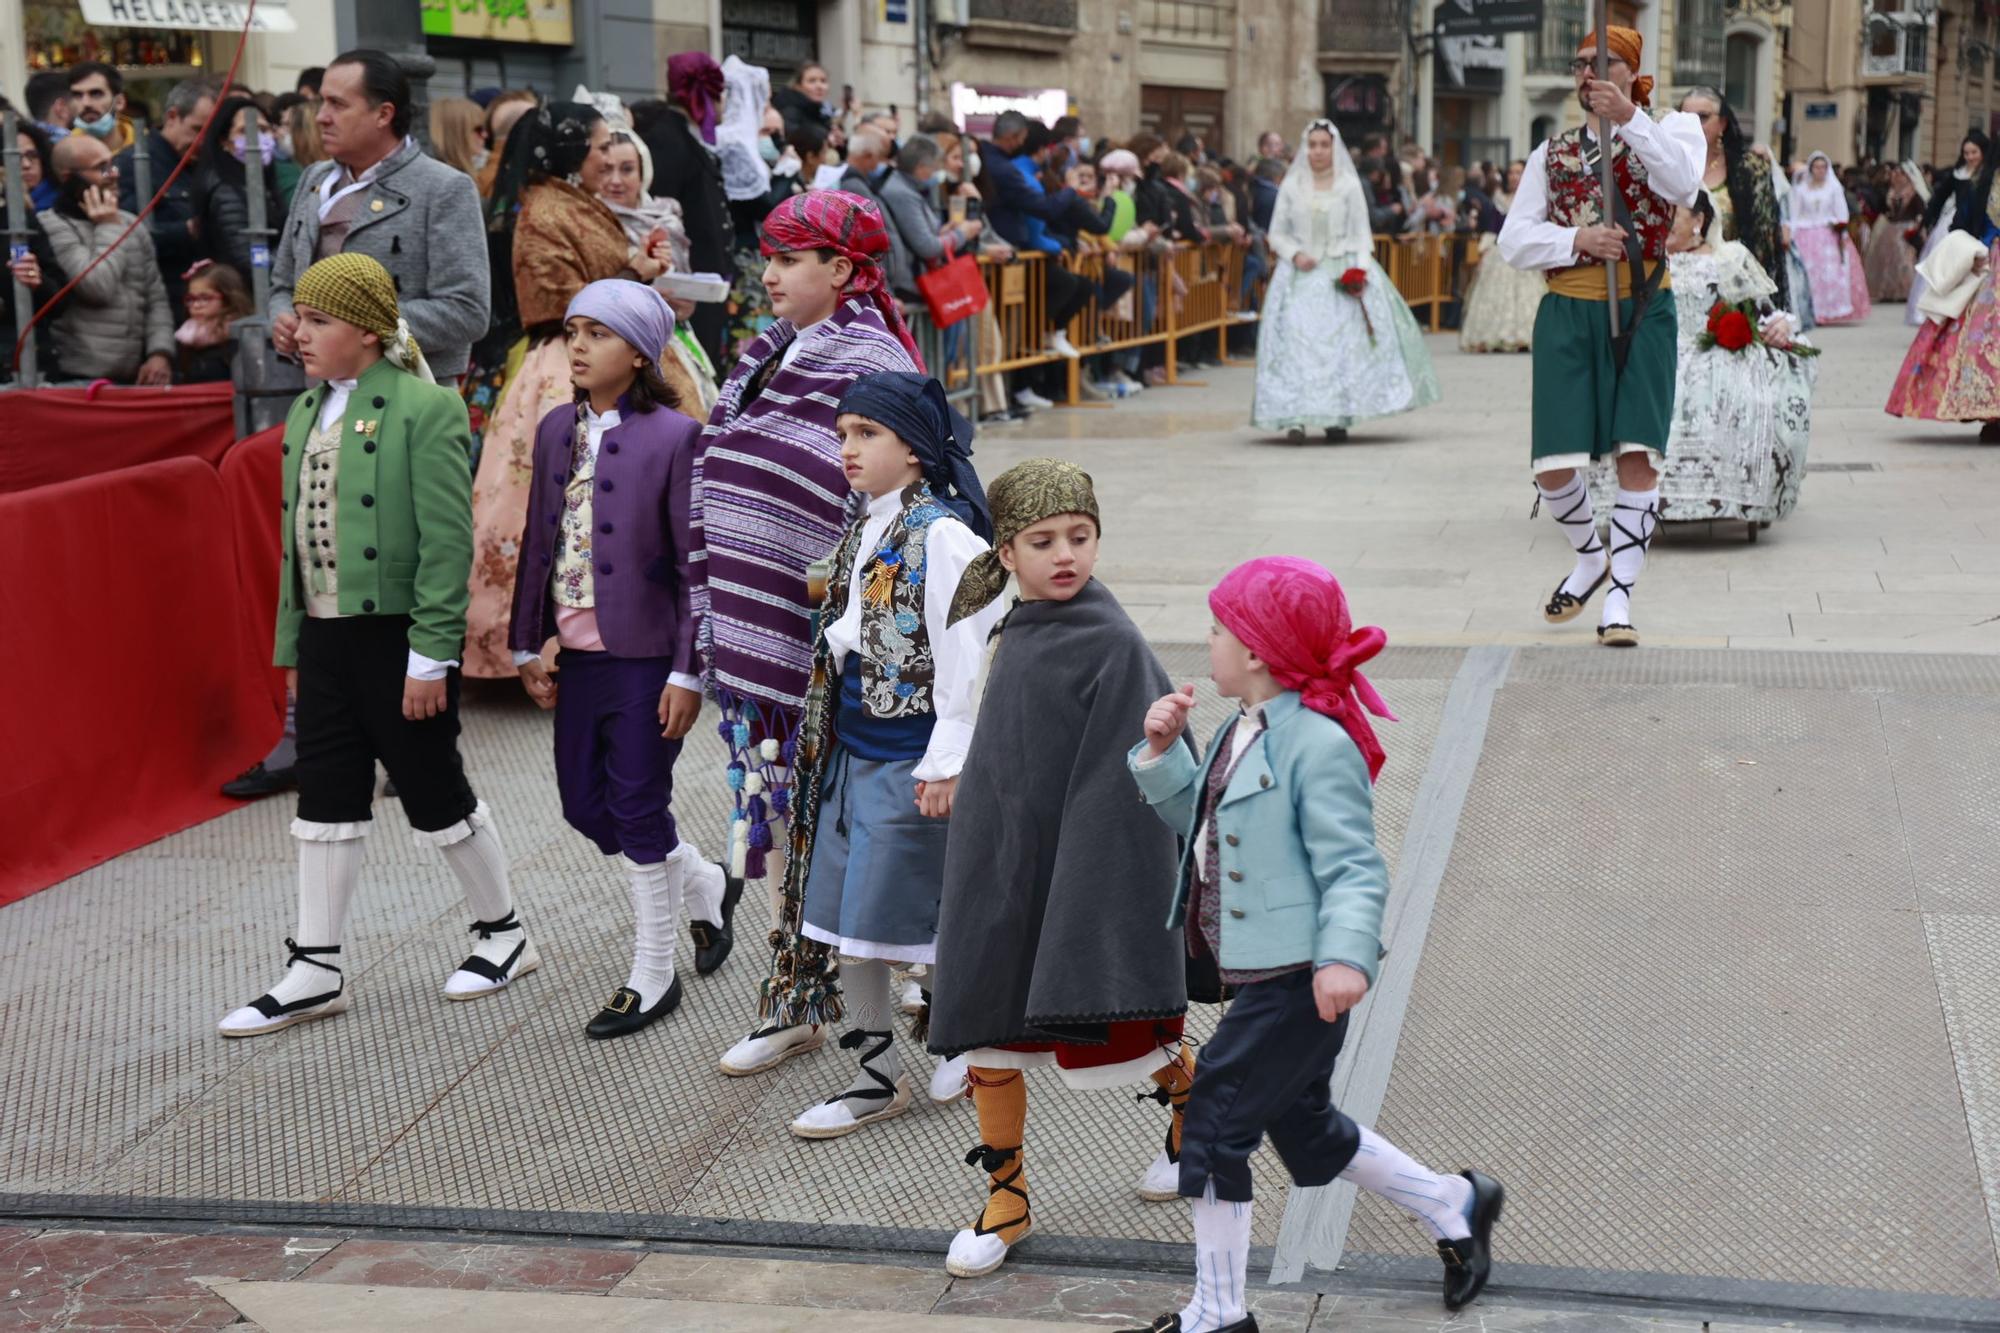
(1178, 291)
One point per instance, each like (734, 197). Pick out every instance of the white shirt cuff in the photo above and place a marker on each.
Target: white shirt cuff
(684, 680)
(425, 668)
(1153, 760)
(522, 657)
(944, 758)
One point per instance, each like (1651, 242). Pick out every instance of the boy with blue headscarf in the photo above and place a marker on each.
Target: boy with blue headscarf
(888, 720)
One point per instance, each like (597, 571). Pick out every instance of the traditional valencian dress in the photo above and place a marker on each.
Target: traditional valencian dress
(1741, 419)
(1952, 370)
(1327, 359)
(1833, 266)
(1500, 308)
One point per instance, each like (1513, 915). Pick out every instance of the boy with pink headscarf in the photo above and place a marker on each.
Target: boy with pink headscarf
(1281, 891)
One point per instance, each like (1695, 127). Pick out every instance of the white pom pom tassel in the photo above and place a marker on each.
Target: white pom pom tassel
(739, 846)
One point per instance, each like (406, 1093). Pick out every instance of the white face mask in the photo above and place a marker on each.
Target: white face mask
(972, 165)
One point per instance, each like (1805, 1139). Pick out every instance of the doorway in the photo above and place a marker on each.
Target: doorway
(1172, 112)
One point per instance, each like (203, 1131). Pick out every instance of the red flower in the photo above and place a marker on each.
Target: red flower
(1715, 314)
(1733, 332)
(1353, 280)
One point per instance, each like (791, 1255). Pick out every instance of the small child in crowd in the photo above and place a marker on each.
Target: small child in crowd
(216, 297)
(1282, 887)
(888, 720)
(1053, 948)
(376, 540)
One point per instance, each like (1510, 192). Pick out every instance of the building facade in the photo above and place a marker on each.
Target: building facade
(1865, 84)
(1966, 87)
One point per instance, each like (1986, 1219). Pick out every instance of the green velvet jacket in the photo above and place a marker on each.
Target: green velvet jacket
(404, 517)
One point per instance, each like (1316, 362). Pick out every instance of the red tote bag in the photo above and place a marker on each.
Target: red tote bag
(953, 290)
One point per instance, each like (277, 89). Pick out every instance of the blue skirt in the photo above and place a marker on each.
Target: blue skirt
(877, 871)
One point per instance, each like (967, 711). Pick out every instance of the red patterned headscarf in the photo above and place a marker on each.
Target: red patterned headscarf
(1293, 615)
(695, 81)
(848, 225)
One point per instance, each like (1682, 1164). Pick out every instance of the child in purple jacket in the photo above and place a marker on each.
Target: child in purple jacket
(603, 568)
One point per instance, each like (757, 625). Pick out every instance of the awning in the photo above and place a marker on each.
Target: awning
(199, 15)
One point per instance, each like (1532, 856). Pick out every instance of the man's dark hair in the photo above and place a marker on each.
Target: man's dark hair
(45, 149)
(1009, 123)
(78, 73)
(650, 111)
(282, 104)
(1039, 138)
(808, 137)
(1067, 127)
(309, 79)
(382, 80)
(936, 122)
(45, 90)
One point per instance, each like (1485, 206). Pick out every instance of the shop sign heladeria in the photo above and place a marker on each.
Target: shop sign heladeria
(203, 15)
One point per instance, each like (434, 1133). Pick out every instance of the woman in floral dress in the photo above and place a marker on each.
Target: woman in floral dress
(1500, 308)
(1328, 357)
(1819, 228)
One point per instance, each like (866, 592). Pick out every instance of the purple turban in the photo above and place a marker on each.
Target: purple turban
(632, 310)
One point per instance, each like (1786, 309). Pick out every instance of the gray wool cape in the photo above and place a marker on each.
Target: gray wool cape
(1058, 879)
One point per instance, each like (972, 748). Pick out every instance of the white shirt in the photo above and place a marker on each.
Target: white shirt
(594, 428)
(957, 653)
(331, 191)
(332, 410)
(1672, 150)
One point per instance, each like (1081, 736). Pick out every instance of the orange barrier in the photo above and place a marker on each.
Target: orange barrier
(1177, 291)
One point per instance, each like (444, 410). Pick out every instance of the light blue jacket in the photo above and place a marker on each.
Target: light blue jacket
(1301, 878)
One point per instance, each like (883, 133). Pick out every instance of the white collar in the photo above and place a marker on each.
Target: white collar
(888, 502)
(592, 421)
(345, 386)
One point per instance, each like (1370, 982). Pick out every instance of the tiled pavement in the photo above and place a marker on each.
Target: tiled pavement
(57, 1280)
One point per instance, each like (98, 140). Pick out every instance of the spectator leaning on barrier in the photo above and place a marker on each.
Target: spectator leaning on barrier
(39, 271)
(119, 325)
(905, 197)
(380, 195)
(97, 95)
(1020, 209)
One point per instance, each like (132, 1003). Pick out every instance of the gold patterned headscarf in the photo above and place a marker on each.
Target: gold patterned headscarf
(1021, 497)
(356, 289)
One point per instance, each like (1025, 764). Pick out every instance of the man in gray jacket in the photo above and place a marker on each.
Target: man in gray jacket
(381, 196)
(905, 198)
(867, 154)
(117, 325)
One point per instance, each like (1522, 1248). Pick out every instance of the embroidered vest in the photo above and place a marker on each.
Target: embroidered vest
(571, 585)
(897, 666)
(314, 539)
(1575, 196)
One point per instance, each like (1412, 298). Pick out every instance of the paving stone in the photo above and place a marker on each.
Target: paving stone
(1109, 1302)
(790, 1282)
(551, 1268)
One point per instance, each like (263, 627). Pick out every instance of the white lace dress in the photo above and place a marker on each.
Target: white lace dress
(1320, 362)
(1500, 308)
(1742, 420)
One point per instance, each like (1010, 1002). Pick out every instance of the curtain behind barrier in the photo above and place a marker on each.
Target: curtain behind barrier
(52, 435)
(139, 628)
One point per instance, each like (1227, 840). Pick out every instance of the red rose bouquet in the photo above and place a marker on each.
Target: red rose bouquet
(1734, 326)
(1354, 281)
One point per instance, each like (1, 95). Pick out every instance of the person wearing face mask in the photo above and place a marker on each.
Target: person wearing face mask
(232, 158)
(97, 97)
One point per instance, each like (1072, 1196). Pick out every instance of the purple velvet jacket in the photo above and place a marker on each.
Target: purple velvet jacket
(640, 541)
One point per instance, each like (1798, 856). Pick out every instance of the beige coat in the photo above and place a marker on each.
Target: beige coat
(118, 315)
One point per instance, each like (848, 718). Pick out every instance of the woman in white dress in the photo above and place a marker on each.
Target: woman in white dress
(1327, 358)
(1741, 419)
(1941, 211)
(1819, 229)
(1500, 309)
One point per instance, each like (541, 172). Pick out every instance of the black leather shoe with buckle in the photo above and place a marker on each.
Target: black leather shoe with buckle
(1469, 1262)
(256, 782)
(621, 1015)
(713, 940)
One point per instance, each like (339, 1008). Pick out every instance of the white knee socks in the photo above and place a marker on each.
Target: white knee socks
(328, 872)
(702, 883)
(1634, 520)
(480, 863)
(864, 983)
(1221, 1263)
(1439, 1202)
(656, 912)
(1569, 506)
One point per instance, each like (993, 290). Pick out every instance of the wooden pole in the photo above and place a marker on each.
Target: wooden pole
(1605, 176)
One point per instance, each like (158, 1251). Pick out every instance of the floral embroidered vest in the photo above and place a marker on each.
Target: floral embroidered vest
(897, 666)
(572, 585)
(1575, 196)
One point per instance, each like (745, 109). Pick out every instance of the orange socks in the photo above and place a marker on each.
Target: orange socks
(1000, 1096)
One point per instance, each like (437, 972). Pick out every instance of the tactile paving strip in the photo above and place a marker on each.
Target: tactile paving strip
(409, 1105)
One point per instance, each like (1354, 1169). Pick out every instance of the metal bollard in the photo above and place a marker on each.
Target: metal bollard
(253, 193)
(265, 383)
(18, 234)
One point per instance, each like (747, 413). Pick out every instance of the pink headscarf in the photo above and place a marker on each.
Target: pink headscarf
(1293, 615)
(695, 81)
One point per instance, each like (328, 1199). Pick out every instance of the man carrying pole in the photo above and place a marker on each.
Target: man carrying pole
(1604, 336)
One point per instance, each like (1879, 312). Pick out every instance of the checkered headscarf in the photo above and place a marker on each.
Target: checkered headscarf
(357, 289)
(848, 225)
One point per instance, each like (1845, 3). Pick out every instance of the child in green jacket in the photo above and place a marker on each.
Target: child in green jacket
(377, 550)
(1281, 891)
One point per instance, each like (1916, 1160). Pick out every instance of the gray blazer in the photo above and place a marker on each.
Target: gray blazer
(422, 220)
(896, 264)
(915, 223)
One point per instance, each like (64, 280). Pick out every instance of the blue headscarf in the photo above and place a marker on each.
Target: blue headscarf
(914, 407)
